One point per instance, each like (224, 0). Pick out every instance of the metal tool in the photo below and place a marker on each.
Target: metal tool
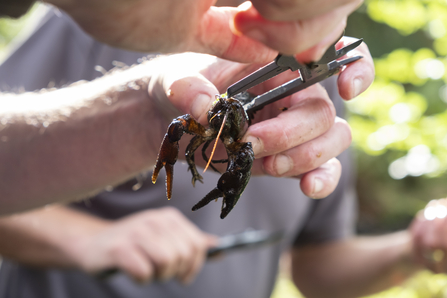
(310, 74)
(246, 240)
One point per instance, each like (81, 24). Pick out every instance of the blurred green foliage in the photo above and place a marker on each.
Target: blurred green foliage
(9, 28)
(421, 285)
(399, 124)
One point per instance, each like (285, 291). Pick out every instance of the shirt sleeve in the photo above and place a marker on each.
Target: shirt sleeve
(333, 217)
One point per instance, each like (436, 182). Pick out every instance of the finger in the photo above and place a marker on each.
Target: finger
(311, 115)
(357, 76)
(215, 37)
(192, 95)
(134, 262)
(281, 10)
(417, 240)
(188, 243)
(296, 35)
(317, 51)
(430, 243)
(310, 155)
(192, 250)
(158, 244)
(209, 242)
(322, 181)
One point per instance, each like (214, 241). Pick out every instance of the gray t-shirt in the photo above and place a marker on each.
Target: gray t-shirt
(58, 51)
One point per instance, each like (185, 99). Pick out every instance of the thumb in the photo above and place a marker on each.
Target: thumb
(193, 95)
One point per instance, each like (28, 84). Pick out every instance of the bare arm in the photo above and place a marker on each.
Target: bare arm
(67, 144)
(354, 267)
(47, 237)
(159, 243)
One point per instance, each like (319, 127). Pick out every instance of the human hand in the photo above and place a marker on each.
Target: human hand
(156, 244)
(307, 28)
(429, 235)
(196, 25)
(165, 27)
(299, 142)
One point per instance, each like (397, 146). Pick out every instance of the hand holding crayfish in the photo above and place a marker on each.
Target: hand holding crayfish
(298, 136)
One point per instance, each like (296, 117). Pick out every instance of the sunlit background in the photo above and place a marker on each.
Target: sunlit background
(399, 125)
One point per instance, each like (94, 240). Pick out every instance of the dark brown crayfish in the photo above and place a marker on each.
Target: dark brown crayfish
(228, 122)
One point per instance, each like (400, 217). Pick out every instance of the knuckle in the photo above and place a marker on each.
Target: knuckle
(172, 212)
(328, 112)
(137, 234)
(118, 250)
(163, 260)
(284, 139)
(309, 160)
(268, 166)
(185, 255)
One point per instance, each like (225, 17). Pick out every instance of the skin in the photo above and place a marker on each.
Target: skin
(352, 267)
(154, 244)
(107, 139)
(240, 34)
(429, 239)
(366, 265)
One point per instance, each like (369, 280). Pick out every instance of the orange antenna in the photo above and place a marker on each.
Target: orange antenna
(215, 143)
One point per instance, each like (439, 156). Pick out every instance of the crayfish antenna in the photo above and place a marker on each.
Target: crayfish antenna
(215, 143)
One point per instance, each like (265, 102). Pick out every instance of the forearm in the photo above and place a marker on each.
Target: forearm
(70, 143)
(354, 267)
(47, 237)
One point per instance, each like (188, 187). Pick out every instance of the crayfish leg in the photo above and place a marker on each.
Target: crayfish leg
(206, 159)
(189, 154)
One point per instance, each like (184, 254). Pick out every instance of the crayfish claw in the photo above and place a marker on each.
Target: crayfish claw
(212, 195)
(169, 178)
(167, 156)
(226, 208)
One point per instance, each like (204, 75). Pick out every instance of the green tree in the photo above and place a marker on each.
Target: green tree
(400, 123)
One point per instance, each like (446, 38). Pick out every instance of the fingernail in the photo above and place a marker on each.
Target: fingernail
(358, 83)
(283, 164)
(318, 186)
(256, 144)
(245, 6)
(200, 105)
(256, 34)
(319, 54)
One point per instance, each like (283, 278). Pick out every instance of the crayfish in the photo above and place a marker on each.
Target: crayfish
(228, 122)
